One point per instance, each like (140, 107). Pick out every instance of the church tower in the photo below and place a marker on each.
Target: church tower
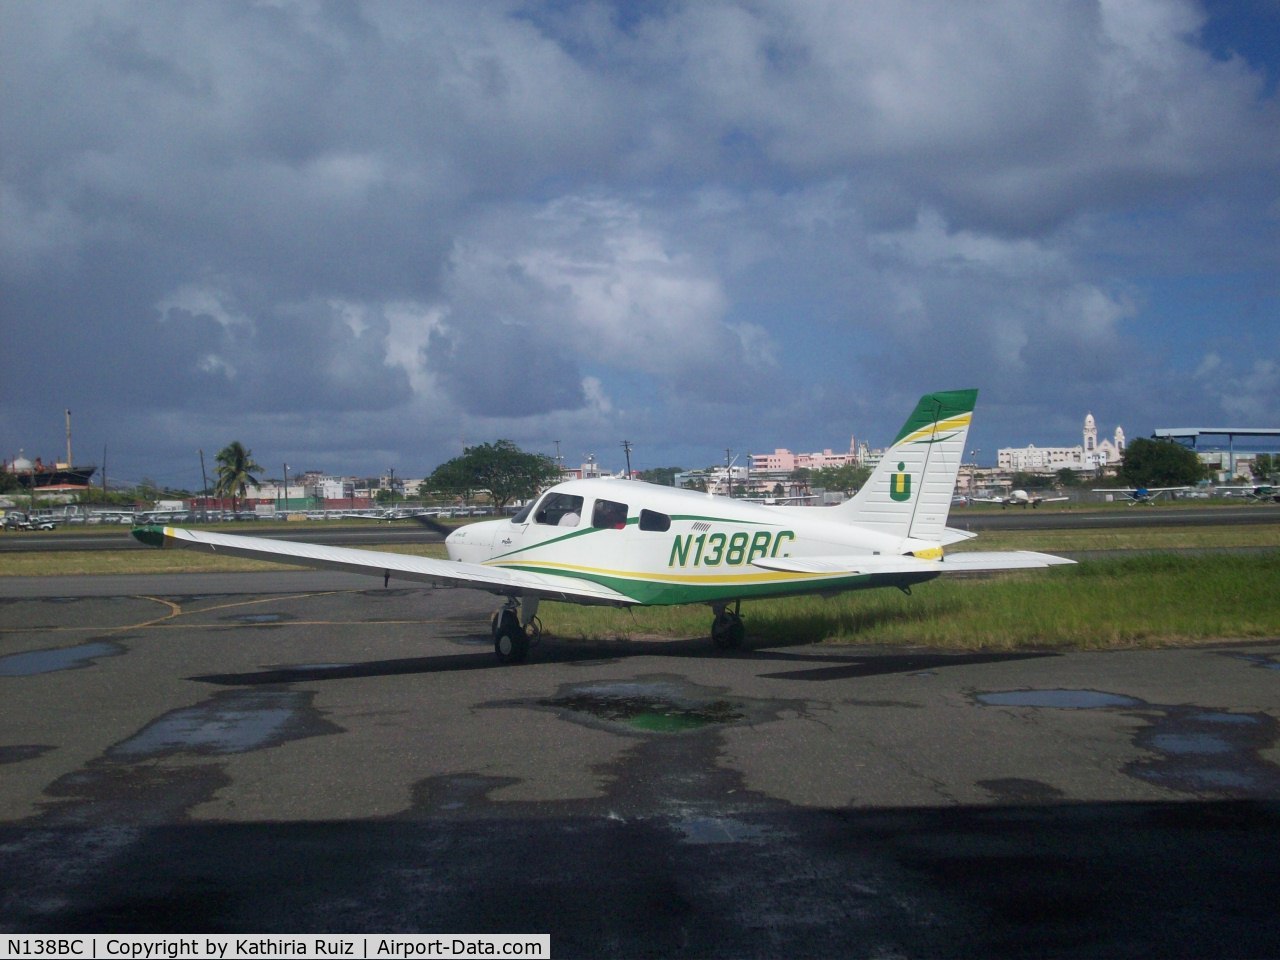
(1090, 437)
(1120, 441)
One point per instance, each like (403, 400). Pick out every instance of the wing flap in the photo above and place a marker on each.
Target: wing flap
(443, 573)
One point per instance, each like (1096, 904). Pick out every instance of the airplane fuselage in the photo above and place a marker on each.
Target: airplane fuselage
(673, 546)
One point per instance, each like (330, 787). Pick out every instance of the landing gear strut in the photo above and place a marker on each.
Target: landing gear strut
(727, 631)
(514, 633)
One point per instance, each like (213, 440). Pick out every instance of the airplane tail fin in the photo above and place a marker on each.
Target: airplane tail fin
(910, 492)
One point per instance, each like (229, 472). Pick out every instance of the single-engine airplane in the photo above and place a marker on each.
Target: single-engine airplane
(1018, 498)
(628, 543)
(1145, 495)
(1259, 493)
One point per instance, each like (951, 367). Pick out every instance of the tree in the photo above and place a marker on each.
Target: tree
(1264, 466)
(1021, 480)
(236, 468)
(502, 468)
(846, 478)
(1066, 477)
(666, 476)
(1160, 463)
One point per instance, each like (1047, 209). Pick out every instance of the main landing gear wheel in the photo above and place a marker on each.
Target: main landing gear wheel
(727, 631)
(511, 638)
(509, 641)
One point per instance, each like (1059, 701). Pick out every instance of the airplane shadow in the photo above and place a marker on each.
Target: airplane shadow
(814, 666)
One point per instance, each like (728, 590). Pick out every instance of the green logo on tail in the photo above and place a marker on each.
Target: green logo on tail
(900, 485)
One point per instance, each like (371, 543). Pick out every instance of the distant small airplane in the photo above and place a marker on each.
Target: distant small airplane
(1019, 498)
(1136, 495)
(627, 543)
(389, 515)
(780, 501)
(23, 521)
(1262, 493)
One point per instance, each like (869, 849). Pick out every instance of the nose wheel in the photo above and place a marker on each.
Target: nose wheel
(727, 631)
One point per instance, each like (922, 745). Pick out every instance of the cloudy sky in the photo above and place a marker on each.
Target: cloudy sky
(361, 236)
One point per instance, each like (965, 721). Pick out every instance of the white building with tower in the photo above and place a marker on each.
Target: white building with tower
(1090, 454)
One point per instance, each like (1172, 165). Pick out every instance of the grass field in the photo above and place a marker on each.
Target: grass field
(1163, 586)
(1126, 601)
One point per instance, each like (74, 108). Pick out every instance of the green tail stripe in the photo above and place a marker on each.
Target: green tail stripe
(938, 406)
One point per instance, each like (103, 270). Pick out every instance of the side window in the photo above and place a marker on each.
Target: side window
(652, 520)
(559, 510)
(523, 515)
(609, 515)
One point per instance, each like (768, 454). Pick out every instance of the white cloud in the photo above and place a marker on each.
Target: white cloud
(1250, 393)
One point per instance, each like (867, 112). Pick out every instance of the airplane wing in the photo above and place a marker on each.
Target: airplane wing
(974, 562)
(1051, 499)
(376, 563)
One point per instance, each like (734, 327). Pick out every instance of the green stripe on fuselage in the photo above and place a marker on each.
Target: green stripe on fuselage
(660, 592)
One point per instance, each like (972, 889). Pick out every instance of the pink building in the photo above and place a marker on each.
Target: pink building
(784, 461)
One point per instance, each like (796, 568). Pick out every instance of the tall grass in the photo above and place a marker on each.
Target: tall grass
(1122, 602)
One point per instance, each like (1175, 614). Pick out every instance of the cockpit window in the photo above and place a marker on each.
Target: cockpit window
(523, 515)
(652, 520)
(559, 510)
(609, 515)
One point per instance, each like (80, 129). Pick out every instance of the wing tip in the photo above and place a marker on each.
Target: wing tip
(151, 536)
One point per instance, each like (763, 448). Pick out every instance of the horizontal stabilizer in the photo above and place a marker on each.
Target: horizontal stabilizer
(1002, 560)
(879, 563)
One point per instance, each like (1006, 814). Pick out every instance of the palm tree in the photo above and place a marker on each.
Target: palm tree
(235, 471)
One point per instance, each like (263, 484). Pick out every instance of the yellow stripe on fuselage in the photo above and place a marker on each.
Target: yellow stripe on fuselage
(764, 576)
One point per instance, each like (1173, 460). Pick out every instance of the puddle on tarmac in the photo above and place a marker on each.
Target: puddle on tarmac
(259, 618)
(715, 830)
(1189, 743)
(658, 705)
(18, 753)
(1209, 752)
(234, 722)
(50, 661)
(1259, 660)
(1063, 699)
(1193, 750)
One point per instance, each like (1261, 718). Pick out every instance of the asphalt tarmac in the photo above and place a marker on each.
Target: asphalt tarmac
(306, 751)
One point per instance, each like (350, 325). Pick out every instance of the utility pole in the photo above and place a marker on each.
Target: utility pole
(626, 446)
(728, 472)
(286, 490)
(204, 488)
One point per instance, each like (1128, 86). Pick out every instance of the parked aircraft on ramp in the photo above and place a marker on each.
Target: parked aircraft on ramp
(1143, 495)
(1018, 498)
(627, 543)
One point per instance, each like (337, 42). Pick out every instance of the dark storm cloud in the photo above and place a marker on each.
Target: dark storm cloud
(463, 220)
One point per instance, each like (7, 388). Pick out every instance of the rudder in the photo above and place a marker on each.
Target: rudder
(909, 494)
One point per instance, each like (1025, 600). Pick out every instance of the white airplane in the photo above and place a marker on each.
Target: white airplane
(387, 515)
(1136, 495)
(779, 501)
(1019, 498)
(626, 543)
